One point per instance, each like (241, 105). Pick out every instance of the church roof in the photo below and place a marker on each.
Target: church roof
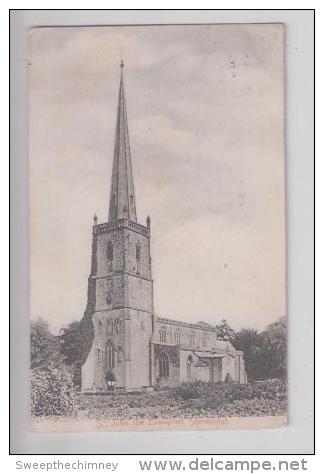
(200, 325)
(122, 196)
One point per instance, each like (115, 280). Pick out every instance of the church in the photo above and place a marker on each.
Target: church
(131, 344)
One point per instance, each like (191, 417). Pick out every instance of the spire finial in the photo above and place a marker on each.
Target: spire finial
(122, 64)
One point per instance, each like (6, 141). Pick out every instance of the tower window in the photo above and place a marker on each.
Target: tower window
(110, 251)
(132, 199)
(110, 255)
(138, 257)
(110, 327)
(138, 251)
(117, 325)
(163, 365)
(120, 354)
(98, 355)
(110, 355)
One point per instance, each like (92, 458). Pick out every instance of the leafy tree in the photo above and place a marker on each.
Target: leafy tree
(52, 391)
(75, 344)
(250, 342)
(44, 346)
(274, 349)
(224, 331)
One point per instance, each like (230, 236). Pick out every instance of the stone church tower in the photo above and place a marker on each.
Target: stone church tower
(132, 345)
(120, 287)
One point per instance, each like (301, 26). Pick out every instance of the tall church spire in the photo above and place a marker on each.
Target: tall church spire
(122, 197)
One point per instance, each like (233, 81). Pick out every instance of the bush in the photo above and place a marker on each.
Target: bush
(189, 390)
(52, 391)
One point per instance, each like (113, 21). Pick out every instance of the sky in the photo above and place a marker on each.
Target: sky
(206, 123)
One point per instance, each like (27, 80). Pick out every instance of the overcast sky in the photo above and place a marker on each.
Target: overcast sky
(205, 116)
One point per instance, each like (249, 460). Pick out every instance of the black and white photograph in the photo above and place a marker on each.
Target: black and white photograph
(157, 227)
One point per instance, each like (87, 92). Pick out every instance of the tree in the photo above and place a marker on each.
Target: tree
(224, 331)
(75, 343)
(52, 391)
(44, 346)
(274, 349)
(250, 342)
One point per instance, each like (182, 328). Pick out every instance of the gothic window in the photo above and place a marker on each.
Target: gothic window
(138, 256)
(117, 325)
(163, 365)
(110, 327)
(138, 251)
(132, 199)
(189, 364)
(110, 355)
(109, 297)
(177, 337)
(120, 354)
(110, 255)
(162, 335)
(99, 325)
(98, 355)
(191, 339)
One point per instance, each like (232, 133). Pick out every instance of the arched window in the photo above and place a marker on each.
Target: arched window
(177, 337)
(110, 255)
(191, 339)
(120, 354)
(99, 325)
(132, 199)
(110, 355)
(163, 365)
(98, 355)
(110, 327)
(189, 364)
(162, 335)
(117, 326)
(138, 251)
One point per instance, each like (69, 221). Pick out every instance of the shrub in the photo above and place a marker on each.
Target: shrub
(188, 390)
(52, 391)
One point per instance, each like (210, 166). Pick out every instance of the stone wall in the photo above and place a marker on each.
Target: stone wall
(120, 292)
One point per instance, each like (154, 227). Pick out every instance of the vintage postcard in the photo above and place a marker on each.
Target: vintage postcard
(157, 227)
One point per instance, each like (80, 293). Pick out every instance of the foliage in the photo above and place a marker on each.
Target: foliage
(52, 391)
(44, 346)
(196, 399)
(274, 349)
(75, 344)
(250, 342)
(224, 331)
(188, 390)
(265, 353)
